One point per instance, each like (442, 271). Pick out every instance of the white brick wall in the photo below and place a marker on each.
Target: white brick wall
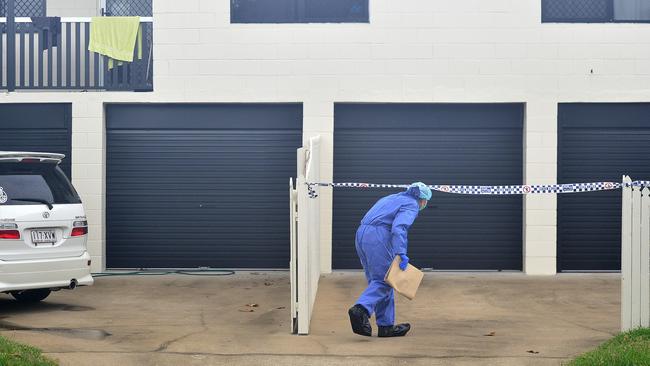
(73, 8)
(412, 51)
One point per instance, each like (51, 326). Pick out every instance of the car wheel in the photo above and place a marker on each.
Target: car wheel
(31, 295)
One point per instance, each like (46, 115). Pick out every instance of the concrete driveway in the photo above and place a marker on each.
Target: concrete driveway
(458, 319)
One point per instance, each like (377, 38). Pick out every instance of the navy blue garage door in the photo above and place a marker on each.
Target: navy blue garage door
(200, 185)
(438, 144)
(38, 127)
(597, 141)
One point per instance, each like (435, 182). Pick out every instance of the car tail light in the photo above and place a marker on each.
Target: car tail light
(79, 231)
(9, 231)
(10, 234)
(30, 160)
(79, 228)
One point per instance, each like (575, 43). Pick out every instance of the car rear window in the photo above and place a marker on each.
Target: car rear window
(40, 181)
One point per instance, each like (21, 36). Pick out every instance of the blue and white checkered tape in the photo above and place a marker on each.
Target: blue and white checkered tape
(493, 190)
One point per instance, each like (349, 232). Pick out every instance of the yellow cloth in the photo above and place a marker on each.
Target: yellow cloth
(139, 50)
(115, 37)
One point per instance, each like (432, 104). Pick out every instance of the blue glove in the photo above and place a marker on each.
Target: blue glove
(404, 262)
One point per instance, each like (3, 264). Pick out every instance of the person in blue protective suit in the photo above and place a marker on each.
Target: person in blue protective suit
(381, 236)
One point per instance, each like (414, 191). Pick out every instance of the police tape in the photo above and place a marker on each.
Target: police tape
(493, 190)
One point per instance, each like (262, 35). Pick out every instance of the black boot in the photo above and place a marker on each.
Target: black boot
(359, 319)
(398, 330)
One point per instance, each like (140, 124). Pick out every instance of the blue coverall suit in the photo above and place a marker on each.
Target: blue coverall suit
(381, 236)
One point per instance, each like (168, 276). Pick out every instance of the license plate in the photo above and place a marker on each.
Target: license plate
(43, 236)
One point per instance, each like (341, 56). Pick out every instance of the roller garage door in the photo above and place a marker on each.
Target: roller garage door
(200, 185)
(597, 141)
(442, 144)
(38, 127)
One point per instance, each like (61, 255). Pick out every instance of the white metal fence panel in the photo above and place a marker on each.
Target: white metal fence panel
(645, 258)
(635, 257)
(305, 242)
(626, 254)
(293, 239)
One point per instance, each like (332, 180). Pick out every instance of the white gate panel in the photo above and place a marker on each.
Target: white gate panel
(635, 257)
(305, 245)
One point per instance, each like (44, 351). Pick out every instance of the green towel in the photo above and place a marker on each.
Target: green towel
(115, 37)
(120, 63)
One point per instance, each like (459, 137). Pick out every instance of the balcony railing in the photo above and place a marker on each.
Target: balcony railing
(32, 59)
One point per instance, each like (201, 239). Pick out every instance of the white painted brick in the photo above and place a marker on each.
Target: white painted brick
(253, 35)
(184, 20)
(82, 124)
(540, 218)
(540, 202)
(317, 124)
(89, 186)
(585, 67)
(294, 86)
(92, 202)
(542, 108)
(97, 263)
(463, 51)
(464, 67)
(95, 139)
(94, 244)
(418, 88)
(341, 51)
(80, 140)
(541, 155)
(183, 67)
(323, 86)
(510, 50)
(291, 52)
(95, 217)
(494, 6)
(405, 66)
(540, 233)
(242, 52)
(177, 36)
(556, 33)
(402, 51)
(578, 51)
(542, 50)
(536, 139)
(320, 109)
(623, 51)
(323, 67)
(540, 266)
(642, 67)
(185, 6)
(87, 156)
(616, 67)
(493, 87)
(389, 36)
(87, 171)
(213, 6)
(231, 67)
(541, 124)
(542, 67)
(222, 36)
(495, 67)
(541, 173)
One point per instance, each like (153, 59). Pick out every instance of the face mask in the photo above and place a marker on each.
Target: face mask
(422, 207)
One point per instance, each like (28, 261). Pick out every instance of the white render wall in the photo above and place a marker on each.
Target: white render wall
(412, 51)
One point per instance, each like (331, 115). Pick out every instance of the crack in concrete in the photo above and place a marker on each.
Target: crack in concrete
(163, 346)
(588, 327)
